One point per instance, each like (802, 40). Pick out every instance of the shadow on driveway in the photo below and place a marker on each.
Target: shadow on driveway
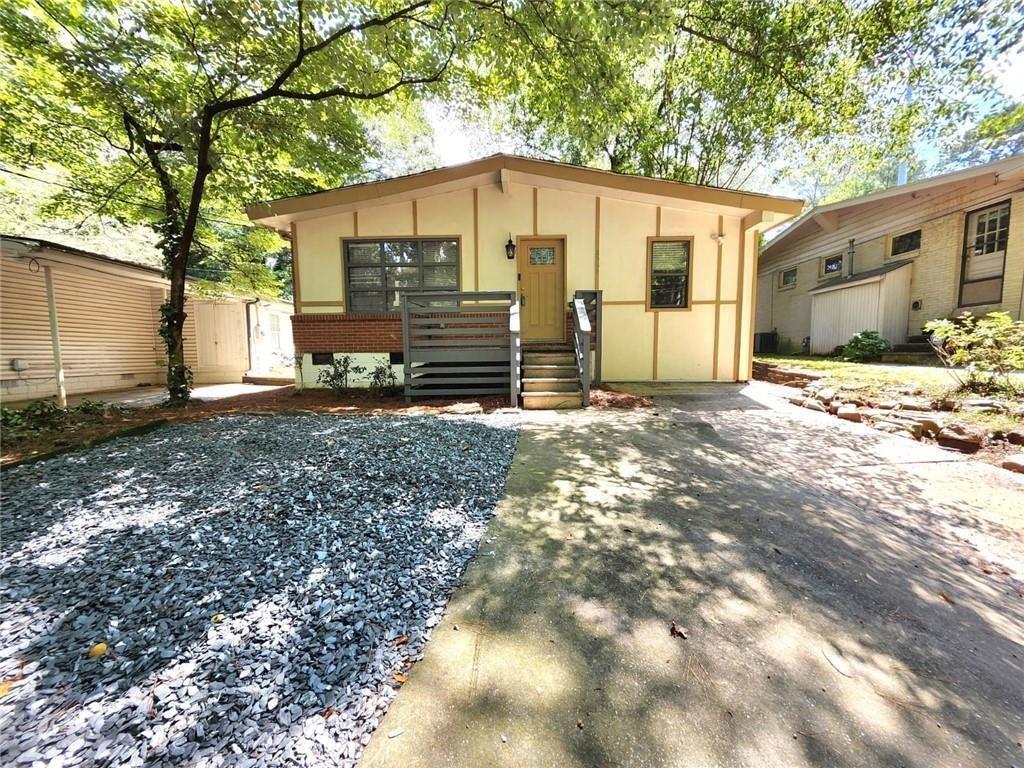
(838, 612)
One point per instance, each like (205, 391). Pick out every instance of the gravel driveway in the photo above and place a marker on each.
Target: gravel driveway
(261, 584)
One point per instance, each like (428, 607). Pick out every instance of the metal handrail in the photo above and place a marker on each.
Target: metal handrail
(581, 344)
(594, 304)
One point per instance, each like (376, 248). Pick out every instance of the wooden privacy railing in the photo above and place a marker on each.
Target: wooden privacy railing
(593, 302)
(581, 345)
(460, 343)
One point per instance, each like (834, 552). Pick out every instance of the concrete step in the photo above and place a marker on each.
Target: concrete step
(533, 401)
(549, 358)
(549, 371)
(551, 384)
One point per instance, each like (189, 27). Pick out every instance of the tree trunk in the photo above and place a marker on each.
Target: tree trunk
(179, 377)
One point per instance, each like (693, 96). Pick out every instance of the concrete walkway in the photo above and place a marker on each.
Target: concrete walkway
(141, 397)
(850, 599)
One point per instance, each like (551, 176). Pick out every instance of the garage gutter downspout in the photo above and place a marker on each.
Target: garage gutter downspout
(58, 362)
(248, 330)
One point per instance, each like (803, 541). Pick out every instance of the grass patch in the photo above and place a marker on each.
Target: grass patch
(873, 378)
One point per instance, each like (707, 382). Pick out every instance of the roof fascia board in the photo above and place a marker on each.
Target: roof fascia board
(989, 174)
(277, 212)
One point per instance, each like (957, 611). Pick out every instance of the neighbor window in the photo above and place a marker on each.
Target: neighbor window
(984, 257)
(908, 242)
(377, 270)
(668, 273)
(831, 266)
(787, 278)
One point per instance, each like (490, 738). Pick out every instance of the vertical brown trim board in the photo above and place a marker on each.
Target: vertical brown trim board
(296, 293)
(739, 304)
(654, 359)
(415, 219)
(536, 192)
(657, 223)
(718, 298)
(597, 242)
(476, 238)
(355, 223)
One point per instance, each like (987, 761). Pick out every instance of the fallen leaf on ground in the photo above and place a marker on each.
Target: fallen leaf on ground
(328, 712)
(97, 650)
(947, 598)
(579, 724)
(399, 676)
(678, 631)
(217, 618)
(401, 640)
(6, 685)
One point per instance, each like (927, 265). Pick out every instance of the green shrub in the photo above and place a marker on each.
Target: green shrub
(866, 345)
(382, 379)
(988, 350)
(336, 376)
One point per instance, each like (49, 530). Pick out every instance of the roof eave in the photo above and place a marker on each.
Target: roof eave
(277, 213)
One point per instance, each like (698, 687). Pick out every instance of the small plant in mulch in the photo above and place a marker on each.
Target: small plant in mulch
(336, 376)
(47, 416)
(865, 346)
(383, 381)
(980, 353)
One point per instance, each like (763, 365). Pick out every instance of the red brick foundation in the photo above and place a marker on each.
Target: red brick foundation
(347, 333)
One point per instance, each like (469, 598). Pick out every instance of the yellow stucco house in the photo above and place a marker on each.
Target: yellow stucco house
(893, 260)
(671, 265)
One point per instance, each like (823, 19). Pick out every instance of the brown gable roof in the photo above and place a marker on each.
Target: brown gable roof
(368, 191)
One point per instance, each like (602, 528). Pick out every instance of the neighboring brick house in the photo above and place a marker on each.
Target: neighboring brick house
(893, 260)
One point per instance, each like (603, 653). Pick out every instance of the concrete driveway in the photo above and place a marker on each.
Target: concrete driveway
(849, 599)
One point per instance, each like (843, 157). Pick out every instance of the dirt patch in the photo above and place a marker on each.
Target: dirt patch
(606, 398)
(90, 429)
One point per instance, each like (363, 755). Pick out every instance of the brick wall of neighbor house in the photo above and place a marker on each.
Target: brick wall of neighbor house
(935, 278)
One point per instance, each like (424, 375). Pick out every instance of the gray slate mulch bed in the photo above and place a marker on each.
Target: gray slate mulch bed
(258, 580)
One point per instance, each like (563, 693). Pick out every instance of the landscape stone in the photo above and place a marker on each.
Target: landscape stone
(848, 412)
(1014, 463)
(961, 438)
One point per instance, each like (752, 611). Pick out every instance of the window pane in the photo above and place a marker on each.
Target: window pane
(364, 253)
(401, 252)
(440, 251)
(986, 292)
(788, 278)
(670, 256)
(833, 265)
(668, 290)
(906, 243)
(366, 302)
(441, 277)
(541, 256)
(362, 278)
(403, 277)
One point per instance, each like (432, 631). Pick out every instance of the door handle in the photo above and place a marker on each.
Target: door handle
(522, 299)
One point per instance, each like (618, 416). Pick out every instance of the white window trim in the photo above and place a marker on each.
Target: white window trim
(780, 286)
(908, 254)
(823, 275)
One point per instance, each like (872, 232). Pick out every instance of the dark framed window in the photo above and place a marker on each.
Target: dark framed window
(787, 278)
(668, 272)
(376, 271)
(908, 242)
(832, 266)
(986, 234)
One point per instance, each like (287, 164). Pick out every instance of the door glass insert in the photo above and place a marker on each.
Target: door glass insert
(541, 256)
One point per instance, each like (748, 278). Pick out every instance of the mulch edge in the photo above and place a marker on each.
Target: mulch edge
(133, 430)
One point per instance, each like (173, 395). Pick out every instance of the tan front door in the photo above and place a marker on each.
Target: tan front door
(541, 291)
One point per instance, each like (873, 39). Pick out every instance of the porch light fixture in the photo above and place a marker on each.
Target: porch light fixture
(510, 248)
